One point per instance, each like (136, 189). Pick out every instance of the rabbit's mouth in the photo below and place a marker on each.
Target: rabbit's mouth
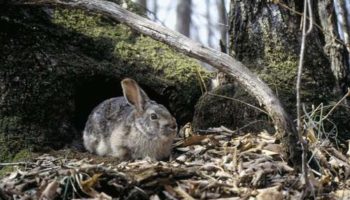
(152, 135)
(168, 132)
(169, 129)
(160, 135)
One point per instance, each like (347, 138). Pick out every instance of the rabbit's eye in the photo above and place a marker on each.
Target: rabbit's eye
(154, 116)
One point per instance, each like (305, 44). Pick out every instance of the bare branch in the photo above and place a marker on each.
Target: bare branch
(337, 104)
(307, 12)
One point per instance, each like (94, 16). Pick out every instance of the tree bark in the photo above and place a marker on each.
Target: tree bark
(265, 37)
(183, 16)
(155, 9)
(209, 24)
(222, 22)
(142, 3)
(336, 51)
(285, 129)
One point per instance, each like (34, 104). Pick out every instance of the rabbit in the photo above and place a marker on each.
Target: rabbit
(130, 127)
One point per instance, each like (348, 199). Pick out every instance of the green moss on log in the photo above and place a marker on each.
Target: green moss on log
(23, 155)
(10, 139)
(131, 47)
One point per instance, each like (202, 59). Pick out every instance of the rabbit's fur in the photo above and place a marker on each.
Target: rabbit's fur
(130, 127)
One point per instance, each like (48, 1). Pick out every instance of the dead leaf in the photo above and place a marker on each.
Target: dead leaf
(50, 191)
(311, 136)
(342, 194)
(270, 193)
(186, 130)
(181, 192)
(144, 174)
(91, 182)
(193, 140)
(276, 148)
(267, 137)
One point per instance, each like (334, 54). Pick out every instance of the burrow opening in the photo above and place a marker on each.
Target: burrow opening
(95, 90)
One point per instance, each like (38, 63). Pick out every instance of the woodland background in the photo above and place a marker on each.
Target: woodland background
(56, 64)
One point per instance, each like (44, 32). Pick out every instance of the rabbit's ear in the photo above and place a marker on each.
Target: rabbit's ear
(134, 94)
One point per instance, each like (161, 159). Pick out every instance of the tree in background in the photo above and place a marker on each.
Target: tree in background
(209, 23)
(222, 21)
(335, 24)
(206, 22)
(266, 38)
(155, 8)
(142, 3)
(183, 16)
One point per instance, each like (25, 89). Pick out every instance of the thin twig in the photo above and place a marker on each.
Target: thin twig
(300, 66)
(250, 105)
(15, 163)
(337, 104)
(201, 82)
(307, 11)
(249, 124)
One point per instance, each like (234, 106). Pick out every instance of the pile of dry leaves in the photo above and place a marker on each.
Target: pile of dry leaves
(219, 165)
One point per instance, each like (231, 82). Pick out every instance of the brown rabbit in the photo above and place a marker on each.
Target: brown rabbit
(130, 127)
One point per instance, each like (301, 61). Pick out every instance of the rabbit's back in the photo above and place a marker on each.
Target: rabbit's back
(102, 121)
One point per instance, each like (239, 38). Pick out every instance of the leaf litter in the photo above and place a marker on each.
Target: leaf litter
(216, 165)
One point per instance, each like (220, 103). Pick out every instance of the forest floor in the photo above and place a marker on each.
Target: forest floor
(218, 165)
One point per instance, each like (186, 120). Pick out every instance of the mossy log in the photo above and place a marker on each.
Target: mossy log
(57, 64)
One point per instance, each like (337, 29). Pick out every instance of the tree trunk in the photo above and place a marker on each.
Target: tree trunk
(271, 49)
(222, 26)
(334, 48)
(183, 17)
(155, 9)
(209, 24)
(266, 38)
(142, 3)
